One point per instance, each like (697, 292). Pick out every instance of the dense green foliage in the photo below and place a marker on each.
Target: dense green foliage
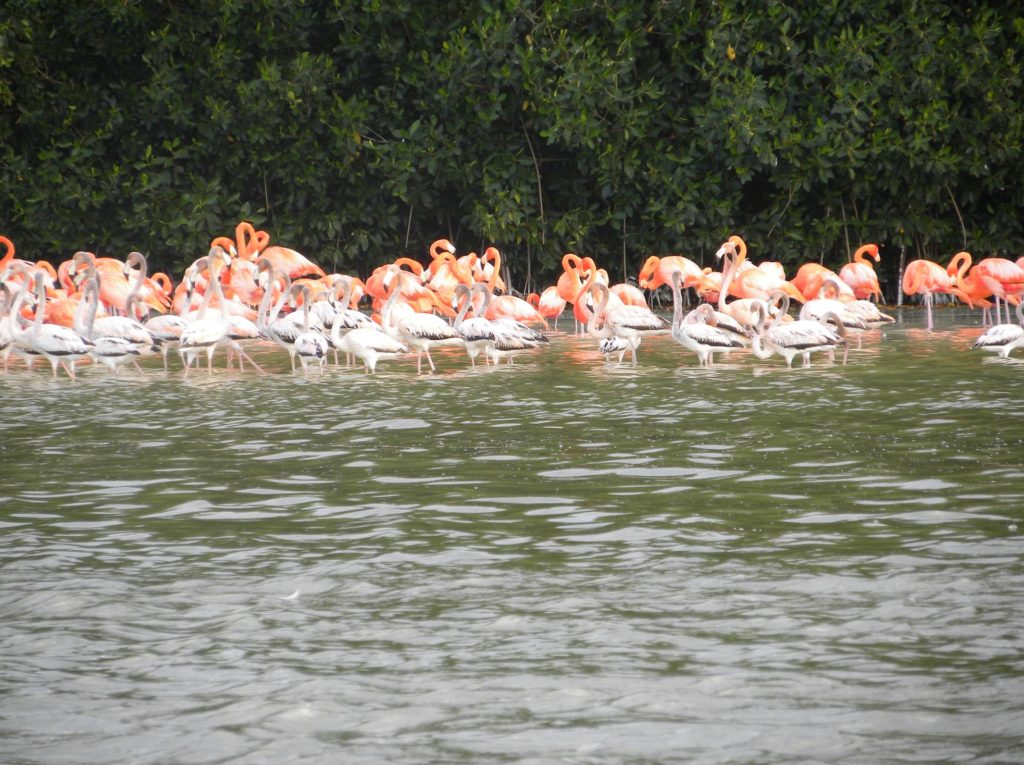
(356, 130)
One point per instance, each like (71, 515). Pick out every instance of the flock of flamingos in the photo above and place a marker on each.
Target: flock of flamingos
(246, 290)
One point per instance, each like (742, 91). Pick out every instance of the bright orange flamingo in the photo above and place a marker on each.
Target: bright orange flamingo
(810, 278)
(446, 273)
(997, 277)
(926, 278)
(375, 283)
(860, 274)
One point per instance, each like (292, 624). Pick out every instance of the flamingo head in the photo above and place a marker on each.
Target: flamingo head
(647, 272)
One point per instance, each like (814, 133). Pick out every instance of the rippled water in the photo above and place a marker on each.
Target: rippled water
(558, 562)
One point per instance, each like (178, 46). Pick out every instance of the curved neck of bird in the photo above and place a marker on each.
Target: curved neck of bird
(134, 258)
(245, 237)
(598, 317)
(305, 292)
(276, 274)
(783, 306)
(394, 288)
(831, 317)
(958, 266)
(761, 309)
(85, 313)
(829, 289)
(15, 312)
(40, 288)
(865, 250)
(741, 249)
(728, 272)
(9, 251)
(345, 285)
(494, 256)
(87, 259)
(462, 294)
(581, 296)
(647, 272)
(677, 300)
(440, 246)
(571, 263)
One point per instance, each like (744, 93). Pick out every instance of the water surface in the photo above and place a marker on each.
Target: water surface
(558, 562)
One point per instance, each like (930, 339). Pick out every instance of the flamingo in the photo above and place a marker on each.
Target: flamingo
(63, 346)
(499, 338)
(860, 275)
(478, 330)
(283, 330)
(1003, 338)
(790, 338)
(657, 272)
(419, 331)
(925, 277)
(310, 344)
(754, 282)
(548, 303)
(369, 343)
(999, 277)
(698, 331)
(344, 318)
(629, 322)
(112, 352)
(205, 333)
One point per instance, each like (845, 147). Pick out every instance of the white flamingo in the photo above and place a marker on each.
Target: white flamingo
(310, 344)
(1003, 338)
(698, 330)
(370, 344)
(802, 336)
(63, 346)
(419, 331)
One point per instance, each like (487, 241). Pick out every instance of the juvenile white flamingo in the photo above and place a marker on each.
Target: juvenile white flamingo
(62, 346)
(419, 331)
(629, 322)
(310, 344)
(1004, 338)
(698, 330)
(796, 337)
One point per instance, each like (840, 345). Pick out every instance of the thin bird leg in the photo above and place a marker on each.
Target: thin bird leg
(432, 368)
(243, 356)
(135, 362)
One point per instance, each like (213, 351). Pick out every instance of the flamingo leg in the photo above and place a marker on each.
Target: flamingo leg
(928, 308)
(430, 360)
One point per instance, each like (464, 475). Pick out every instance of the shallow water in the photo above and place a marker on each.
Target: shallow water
(561, 561)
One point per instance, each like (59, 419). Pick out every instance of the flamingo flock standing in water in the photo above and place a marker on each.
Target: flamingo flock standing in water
(245, 291)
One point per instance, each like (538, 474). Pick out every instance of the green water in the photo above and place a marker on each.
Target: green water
(557, 562)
